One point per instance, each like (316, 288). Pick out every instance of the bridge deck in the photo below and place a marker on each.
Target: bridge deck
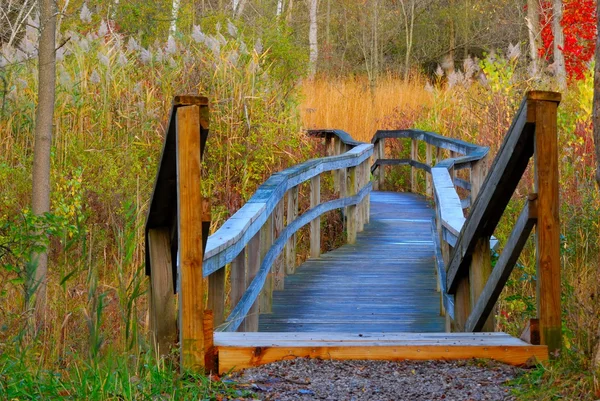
(384, 283)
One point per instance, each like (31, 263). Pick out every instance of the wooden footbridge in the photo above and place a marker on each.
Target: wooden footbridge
(414, 279)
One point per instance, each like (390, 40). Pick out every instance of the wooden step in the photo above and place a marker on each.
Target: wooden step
(243, 350)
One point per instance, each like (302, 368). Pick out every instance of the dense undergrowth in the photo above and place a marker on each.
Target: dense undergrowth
(113, 98)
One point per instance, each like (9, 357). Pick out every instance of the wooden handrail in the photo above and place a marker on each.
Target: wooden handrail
(469, 289)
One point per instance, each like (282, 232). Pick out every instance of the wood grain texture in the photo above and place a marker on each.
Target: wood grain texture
(237, 351)
(237, 278)
(315, 225)
(548, 225)
(278, 269)
(216, 295)
(266, 241)
(163, 315)
(290, 247)
(385, 282)
(191, 291)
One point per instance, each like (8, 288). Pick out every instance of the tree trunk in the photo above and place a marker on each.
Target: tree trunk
(174, 14)
(279, 8)
(533, 26)
(560, 71)
(409, 23)
(312, 39)
(40, 200)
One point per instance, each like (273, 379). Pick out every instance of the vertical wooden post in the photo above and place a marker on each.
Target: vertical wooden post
(352, 212)
(428, 188)
(278, 269)
(481, 262)
(336, 173)
(253, 251)
(414, 155)
(216, 295)
(191, 294)
(163, 316)
(439, 155)
(542, 109)
(266, 240)
(315, 225)
(238, 281)
(380, 172)
(290, 247)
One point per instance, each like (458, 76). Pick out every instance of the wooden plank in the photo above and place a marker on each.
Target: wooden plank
(250, 319)
(544, 114)
(191, 279)
(508, 167)
(237, 279)
(504, 266)
(381, 171)
(237, 314)
(278, 269)
(481, 261)
(428, 156)
(216, 295)
(414, 155)
(163, 315)
(292, 214)
(315, 225)
(351, 210)
(237, 358)
(266, 241)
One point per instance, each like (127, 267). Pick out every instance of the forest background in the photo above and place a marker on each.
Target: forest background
(270, 68)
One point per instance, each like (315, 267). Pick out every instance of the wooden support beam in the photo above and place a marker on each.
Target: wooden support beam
(278, 269)
(380, 172)
(163, 315)
(504, 266)
(315, 225)
(216, 295)
(542, 108)
(266, 240)
(253, 251)
(238, 280)
(428, 156)
(351, 210)
(292, 214)
(481, 261)
(336, 173)
(414, 155)
(191, 294)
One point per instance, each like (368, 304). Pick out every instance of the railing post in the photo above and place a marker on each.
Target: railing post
(278, 269)
(336, 173)
(253, 251)
(428, 188)
(191, 294)
(238, 281)
(481, 263)
(315, 225)
(380, 172)
(290, 247)
(163, 315)
(414, 155)
(266, 240)
(352, 214)
(216, 295)
(542, 109)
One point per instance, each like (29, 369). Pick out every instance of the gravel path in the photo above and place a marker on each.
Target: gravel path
(314, 379)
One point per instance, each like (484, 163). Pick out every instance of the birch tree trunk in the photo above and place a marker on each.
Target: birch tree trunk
(533, 27)
(312, 39)
(174, 14)
(40, 199)
(279, 8)
(409, 22)
(560, 71)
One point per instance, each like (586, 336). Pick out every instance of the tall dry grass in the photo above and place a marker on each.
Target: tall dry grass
(352, 105)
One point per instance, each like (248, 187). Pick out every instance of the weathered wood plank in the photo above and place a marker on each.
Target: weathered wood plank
(414, 155)
(428, 161)
(292, 214)
(266, 241)
(504, 266)
(250, 318)
(278, 269)
(315, 225)
(544, 113)
(163, 315)
(507, 169)
(238, 279)
(216, 295)
(191, 294)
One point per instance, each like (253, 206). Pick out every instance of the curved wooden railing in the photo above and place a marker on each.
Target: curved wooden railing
(257, 232)
(468, 285)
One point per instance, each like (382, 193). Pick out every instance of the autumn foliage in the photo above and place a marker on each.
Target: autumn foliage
(579, 25)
